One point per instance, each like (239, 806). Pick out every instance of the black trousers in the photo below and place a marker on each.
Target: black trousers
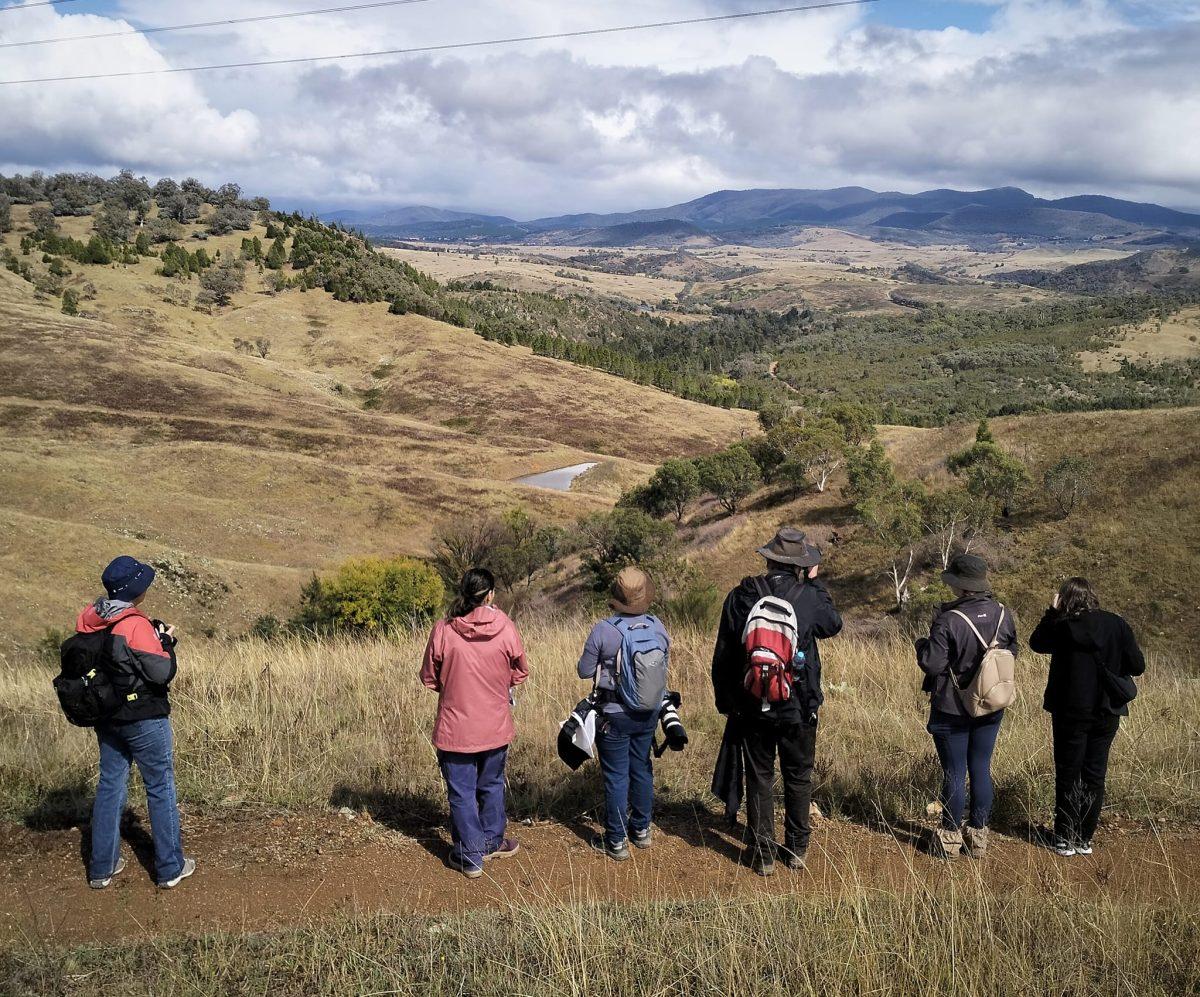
(1081, 749)
(796, 745)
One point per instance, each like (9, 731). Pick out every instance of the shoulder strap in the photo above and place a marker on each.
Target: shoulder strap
(974, 629)
(999, 623)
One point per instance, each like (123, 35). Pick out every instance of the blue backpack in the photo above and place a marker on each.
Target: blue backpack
(641, 666)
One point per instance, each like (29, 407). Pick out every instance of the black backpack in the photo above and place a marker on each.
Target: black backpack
(85, 687)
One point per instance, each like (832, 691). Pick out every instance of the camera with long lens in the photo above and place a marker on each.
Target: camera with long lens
(674, 735)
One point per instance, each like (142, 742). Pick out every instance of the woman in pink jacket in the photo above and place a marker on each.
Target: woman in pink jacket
(473, 660)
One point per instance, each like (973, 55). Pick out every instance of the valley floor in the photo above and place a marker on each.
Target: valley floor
(277, 872)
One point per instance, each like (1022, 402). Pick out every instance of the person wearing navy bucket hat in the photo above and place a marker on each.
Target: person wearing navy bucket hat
(961, 635)
(140, 659)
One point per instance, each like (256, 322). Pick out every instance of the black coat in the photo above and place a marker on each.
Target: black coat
(816, 618)
(951, 653)
(1079, 647)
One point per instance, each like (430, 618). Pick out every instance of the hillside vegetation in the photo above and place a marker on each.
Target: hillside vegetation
(240, 446)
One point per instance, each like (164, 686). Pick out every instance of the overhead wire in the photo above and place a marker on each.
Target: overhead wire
(445, 47)
(223, 22)
(40, 3)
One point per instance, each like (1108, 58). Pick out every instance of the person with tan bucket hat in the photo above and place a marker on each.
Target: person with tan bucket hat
(787, 601)
(626, 657)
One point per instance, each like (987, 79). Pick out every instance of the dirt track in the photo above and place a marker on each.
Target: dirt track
(285, 870)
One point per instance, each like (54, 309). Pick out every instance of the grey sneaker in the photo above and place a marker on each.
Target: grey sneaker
(470, 871)
(507, 848)
(100, 884)
(1064, 848)
(618, 854)
(189, 866)
(1083, 848)
(641, 839)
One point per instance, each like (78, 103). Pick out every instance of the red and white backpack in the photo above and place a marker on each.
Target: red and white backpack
(770, 637)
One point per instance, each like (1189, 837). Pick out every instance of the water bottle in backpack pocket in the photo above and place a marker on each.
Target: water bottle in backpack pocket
(84, 684)
(641, 665)
(773, 660)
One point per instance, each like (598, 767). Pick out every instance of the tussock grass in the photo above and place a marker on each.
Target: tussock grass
(347, 722)
(952, 942)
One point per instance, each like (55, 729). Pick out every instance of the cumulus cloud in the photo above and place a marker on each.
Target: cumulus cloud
(1058, 96)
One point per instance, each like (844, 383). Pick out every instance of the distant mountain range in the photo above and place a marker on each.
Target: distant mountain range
(775, 217)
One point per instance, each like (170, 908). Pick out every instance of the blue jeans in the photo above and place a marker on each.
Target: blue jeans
(623, 741)
(965, 745)
(150, 744)
(475, 790)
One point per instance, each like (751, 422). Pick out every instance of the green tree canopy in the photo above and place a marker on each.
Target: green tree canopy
(990, 473)
(729, 475)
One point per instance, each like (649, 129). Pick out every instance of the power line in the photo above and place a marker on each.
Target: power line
(444, 47)
(209, 24)
(40, 3)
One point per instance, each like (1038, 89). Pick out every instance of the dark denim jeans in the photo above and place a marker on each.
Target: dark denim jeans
(965, 745)
(475, 790)
(623, 742)
(149, 743)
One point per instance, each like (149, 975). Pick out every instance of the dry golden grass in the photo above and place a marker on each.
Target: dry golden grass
(1153, 341)
(138, 427)
(303, 724)
(949, 941)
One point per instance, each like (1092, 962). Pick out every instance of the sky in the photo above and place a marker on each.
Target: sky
(1059, 97)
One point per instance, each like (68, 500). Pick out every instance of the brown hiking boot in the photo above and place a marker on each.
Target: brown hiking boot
(947, 844)
(976, 841)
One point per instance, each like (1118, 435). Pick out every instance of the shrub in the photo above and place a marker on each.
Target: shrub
(371, 594)
(622, 537)
(1069, 482)
(70, 302)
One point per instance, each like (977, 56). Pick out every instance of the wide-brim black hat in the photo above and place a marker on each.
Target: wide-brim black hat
(788, 546)
(968, 573)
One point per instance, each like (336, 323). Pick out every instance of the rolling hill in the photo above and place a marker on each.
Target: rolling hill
(755, 216)
(150, 425)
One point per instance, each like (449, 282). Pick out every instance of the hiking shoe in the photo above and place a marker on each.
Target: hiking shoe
(1064, 848)
(947, 844)
(796, 860)
(189, 866)
(763, 865)
(641, 839)
(99, 884)
(1083, 848)
(470, 871)
(975, 839)
(620, 853)
(507, 848)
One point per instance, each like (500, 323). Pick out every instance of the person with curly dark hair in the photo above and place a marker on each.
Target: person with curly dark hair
(1093, 659)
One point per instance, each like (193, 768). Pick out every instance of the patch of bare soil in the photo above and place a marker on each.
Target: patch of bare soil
(277, 871)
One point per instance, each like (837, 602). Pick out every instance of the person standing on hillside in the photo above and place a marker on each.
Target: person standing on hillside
(624, 733)
(1093, 658)
(473, 661)
(141, 656)
(950, 656)
(785, 727)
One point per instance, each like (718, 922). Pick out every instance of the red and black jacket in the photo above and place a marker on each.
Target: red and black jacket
(142, 666)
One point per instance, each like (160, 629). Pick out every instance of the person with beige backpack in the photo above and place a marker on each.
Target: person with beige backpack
(969, 661)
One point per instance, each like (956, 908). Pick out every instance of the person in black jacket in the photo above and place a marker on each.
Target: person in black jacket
(949, 657)
(788, 729)
(1093, 658)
